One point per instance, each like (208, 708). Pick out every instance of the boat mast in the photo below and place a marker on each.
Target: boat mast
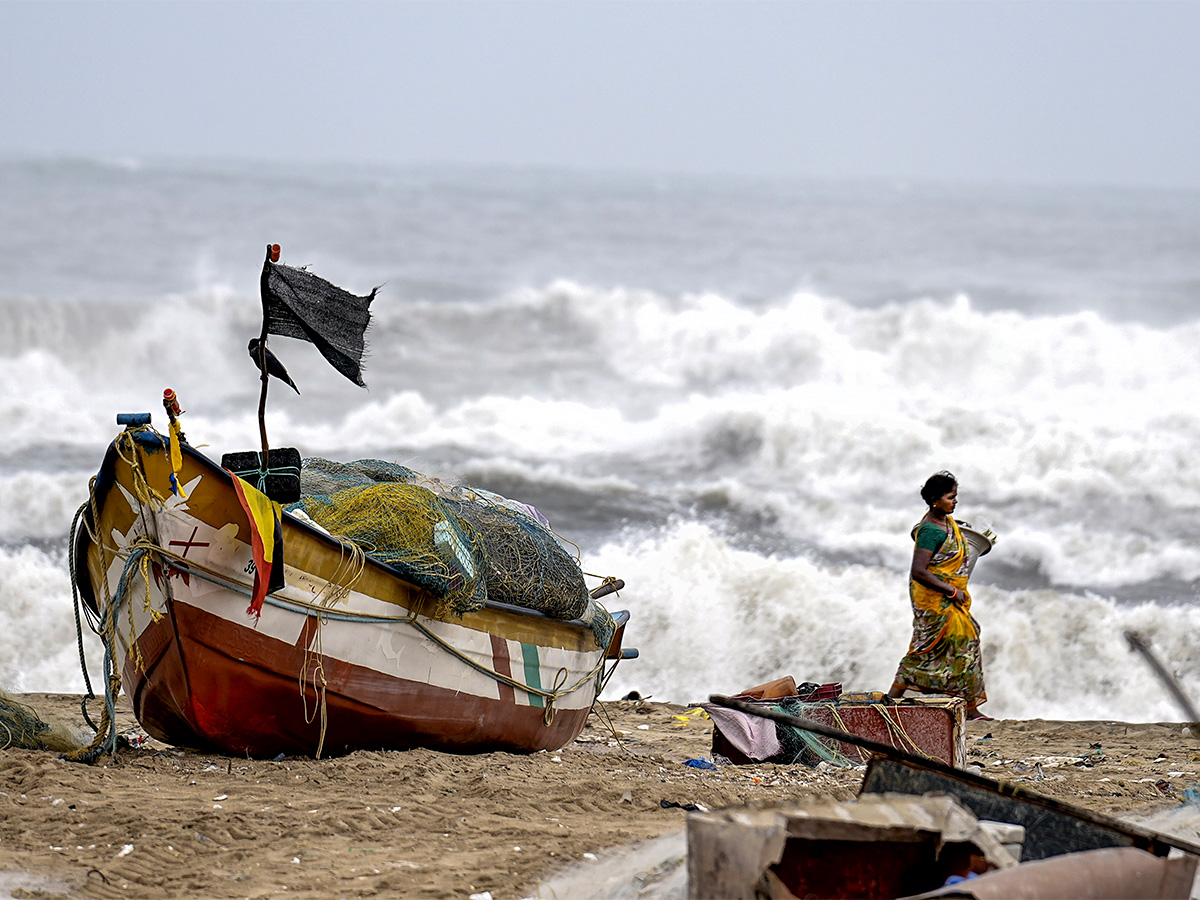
(272, 256)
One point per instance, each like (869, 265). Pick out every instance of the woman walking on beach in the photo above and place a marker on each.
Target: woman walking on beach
(944, 656)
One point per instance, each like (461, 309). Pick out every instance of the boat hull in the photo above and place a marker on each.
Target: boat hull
(348, 655)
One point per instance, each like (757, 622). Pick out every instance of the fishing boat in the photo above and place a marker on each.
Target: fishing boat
(348, 655)
(383, 613)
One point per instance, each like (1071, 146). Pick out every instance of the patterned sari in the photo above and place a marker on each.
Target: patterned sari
(944, 656)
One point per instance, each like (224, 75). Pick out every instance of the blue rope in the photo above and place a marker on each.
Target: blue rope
(109, 633)
(258, 476)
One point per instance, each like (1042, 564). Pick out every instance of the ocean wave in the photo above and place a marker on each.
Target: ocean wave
(798, 431)
(40, 505)
(908, 354)
(39, 648)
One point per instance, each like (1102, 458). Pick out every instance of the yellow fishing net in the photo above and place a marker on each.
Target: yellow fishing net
(463, 544)
(410, 528)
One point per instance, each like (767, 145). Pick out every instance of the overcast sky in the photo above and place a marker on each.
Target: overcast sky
(1064, 92)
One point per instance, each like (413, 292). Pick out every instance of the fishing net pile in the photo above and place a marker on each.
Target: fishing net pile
(23, 726)
(463, 544)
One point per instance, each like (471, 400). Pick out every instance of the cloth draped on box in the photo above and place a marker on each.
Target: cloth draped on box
(944, 656)
(754, 736)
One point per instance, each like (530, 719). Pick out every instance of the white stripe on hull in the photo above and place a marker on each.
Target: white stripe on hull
(393, 648)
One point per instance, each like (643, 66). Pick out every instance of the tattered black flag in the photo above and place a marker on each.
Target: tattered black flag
(298, 304)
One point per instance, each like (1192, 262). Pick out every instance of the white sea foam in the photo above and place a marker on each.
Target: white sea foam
(40, 504)
(39, 650)
(830, 450)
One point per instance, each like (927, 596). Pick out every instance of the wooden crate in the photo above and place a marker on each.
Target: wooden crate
(929, 727)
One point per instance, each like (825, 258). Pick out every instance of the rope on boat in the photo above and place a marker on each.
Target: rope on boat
(92, 751)
(138, 556)
(258, 476)
(75, 598)
(315, 653)
(106, 734)
(351, 565)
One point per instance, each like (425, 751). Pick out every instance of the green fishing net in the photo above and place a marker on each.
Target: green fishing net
(803, 746)
(465, 545)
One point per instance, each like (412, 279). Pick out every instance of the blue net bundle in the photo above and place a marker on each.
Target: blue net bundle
(800, 746)
(463, 544)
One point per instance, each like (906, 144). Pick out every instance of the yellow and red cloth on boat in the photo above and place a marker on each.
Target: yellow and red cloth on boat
(265, 518)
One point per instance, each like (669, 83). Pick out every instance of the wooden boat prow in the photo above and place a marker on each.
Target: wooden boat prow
(348, 655)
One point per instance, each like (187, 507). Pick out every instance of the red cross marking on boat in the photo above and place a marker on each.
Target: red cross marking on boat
(189, 543)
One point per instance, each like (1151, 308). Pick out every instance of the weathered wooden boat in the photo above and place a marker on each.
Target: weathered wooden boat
(348, 655)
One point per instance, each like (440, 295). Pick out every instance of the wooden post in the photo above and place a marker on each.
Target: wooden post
(262, 355)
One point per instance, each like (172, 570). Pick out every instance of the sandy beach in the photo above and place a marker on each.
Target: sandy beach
(158, 821)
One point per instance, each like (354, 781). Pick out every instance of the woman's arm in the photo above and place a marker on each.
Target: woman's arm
(920, 573)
